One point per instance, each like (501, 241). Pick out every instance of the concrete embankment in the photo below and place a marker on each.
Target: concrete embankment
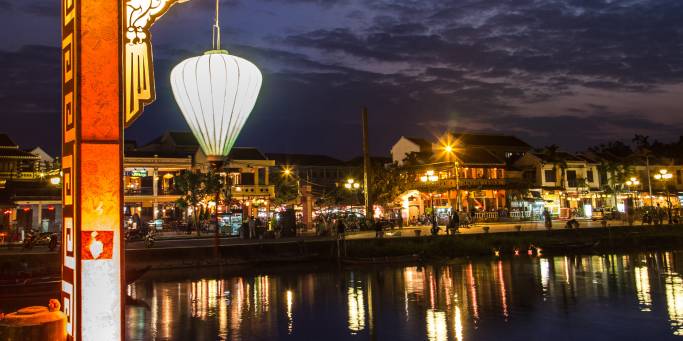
(617, 239)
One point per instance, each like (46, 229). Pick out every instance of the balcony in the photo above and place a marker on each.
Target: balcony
(19, 175)
(468, 183)
(146, 194)
(253, 191)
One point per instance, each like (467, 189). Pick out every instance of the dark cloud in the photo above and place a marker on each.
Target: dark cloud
(554, 71)
(42, 8)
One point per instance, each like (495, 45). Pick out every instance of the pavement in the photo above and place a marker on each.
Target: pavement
(173, 240)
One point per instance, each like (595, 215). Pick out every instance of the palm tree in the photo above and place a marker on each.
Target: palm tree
(557, 159)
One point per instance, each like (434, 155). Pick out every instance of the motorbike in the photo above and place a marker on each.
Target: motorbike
(150, 238)
(572, 223)
(33, 238)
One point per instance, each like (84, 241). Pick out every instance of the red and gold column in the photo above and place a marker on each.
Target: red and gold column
(92, 259)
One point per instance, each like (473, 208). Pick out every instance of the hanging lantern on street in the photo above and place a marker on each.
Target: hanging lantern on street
(216, 92)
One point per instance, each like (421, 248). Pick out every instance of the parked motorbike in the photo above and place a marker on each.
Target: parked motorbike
(150, 238)
(33, 238)
(573, 223)
(135, 234)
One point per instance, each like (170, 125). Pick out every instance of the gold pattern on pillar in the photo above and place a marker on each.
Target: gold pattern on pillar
(139, 71)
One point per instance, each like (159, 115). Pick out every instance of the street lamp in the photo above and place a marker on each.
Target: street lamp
(450, 150)
(430, 178)
(351, 184)
(632, 182)
(664, 176)
(288, 173)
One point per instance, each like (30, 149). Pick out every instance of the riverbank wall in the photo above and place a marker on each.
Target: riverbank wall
(607, 240)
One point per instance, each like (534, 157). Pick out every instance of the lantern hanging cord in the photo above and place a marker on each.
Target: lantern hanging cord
(216, 31)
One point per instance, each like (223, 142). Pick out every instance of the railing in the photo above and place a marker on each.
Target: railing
(521, 214)
(19, 175)
(488, 216)
(253, 191)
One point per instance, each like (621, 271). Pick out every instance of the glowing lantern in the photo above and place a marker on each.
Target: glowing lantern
(216, 93)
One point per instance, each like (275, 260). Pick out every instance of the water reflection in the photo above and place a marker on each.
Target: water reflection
(634, 294)
(356, 304)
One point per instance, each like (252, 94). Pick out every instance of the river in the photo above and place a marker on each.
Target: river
(609, 297)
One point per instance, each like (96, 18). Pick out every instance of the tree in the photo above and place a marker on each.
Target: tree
(286, 188)
(416, 158)
(387, 184)
(194, 188)
(557, 159)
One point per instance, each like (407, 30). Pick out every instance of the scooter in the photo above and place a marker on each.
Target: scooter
(150, 238)
(33, 238)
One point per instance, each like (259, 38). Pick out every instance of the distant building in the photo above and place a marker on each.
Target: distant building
(15, 164)
(321, 172)
(407, 147)
(565, 181)
(506, 147)
(27, 197)
(473, 173)
(149, 171)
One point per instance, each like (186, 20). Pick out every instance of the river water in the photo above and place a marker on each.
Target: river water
(611, 297)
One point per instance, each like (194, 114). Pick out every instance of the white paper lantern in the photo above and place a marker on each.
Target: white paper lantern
(216, 93)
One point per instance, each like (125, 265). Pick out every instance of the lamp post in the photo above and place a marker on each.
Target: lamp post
(449, 149)
(430, 179)
(664, 176)
(633, 182)
(353, 185)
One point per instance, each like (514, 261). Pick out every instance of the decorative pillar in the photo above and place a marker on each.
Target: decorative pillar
(155, 192)
(93, 117)
(92, 261)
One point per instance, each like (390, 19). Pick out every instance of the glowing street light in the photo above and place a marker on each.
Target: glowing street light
(449, 149)
(430, 178)
(351, 184)
(664, 176)
(55, 180)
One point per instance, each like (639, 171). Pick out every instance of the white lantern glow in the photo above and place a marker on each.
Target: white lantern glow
(216, 92)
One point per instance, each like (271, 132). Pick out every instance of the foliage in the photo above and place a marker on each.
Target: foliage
(387, 184)
(286, 188)
(194, 188)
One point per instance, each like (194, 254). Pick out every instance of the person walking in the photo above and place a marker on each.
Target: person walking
(547, 218)
(454, 223)
(341, 229)
(252, 227)
(378, 228)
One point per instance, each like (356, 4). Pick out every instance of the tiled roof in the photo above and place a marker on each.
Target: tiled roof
(158, 153)
(183, 138)
(489, 140)
(568, 157)
(478, 156)
(6, 141)
(16, 154)
(420, 142)
(246, 153)
(378, 160)
(305, 160)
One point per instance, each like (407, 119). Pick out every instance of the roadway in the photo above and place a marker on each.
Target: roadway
(172, 240)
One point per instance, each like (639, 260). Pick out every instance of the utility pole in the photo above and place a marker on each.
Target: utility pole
(366, 167)
(649, 183)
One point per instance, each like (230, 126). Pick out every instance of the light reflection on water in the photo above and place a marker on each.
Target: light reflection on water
(611, 297)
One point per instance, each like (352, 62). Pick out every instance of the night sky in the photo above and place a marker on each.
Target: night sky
(574, 73)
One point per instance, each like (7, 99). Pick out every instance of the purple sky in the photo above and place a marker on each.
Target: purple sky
(574, 73)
